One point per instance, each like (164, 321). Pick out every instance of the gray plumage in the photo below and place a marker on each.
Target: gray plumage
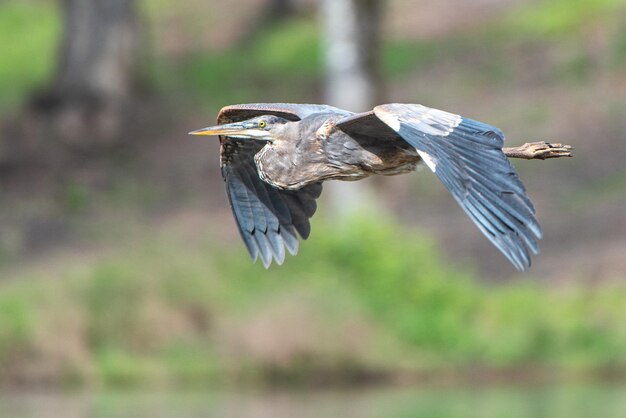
(275, 157)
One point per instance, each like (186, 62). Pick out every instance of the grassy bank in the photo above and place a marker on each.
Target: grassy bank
(374, 301)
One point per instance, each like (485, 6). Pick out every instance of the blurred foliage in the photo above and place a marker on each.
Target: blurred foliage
(549, 18)
(28, 36)
(156, 311)
(288, 53)
(266, 65)
(609, 188)
(619, 53)
(16, 324)
(153, 314)
(401, 57)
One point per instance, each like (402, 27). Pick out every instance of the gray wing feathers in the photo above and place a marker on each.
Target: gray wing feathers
(467, 157)
(267, 218)
(302, 205)
(291, 111)
(465, 154)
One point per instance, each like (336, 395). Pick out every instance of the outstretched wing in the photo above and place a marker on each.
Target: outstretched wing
(268, 218)
(467, 157)
(289, 111)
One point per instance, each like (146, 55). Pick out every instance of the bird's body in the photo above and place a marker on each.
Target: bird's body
(275, 157)
(324, 152)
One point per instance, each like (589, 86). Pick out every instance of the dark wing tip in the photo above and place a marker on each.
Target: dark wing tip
(268, 218)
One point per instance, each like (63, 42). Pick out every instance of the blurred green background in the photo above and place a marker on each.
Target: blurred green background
(121, 269)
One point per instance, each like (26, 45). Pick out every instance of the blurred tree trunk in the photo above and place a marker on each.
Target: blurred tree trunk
(99, 51)
(352, 48)
(280, 9)
(352, 29)
(274, 11)
(93, 104)
(87, 103)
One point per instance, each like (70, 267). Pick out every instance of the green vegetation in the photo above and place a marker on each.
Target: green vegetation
(28, 36)
(560, 17)
(402, 57)
(289, 53)
(369, 299)
(373, 299)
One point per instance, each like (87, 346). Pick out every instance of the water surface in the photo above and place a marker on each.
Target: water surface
(606, 401)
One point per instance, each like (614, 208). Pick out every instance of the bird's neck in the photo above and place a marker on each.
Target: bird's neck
(295, 159)
(284, 166)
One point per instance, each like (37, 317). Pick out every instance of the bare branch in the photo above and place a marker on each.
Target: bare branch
(538, 151)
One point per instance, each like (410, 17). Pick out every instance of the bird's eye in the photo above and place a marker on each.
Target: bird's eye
(262, 124)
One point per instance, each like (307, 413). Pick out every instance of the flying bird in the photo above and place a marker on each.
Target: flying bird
(275, 156)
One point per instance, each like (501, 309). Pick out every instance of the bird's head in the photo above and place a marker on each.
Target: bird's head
(262, 128)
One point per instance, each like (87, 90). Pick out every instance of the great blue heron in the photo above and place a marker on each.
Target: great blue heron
(275, 156)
